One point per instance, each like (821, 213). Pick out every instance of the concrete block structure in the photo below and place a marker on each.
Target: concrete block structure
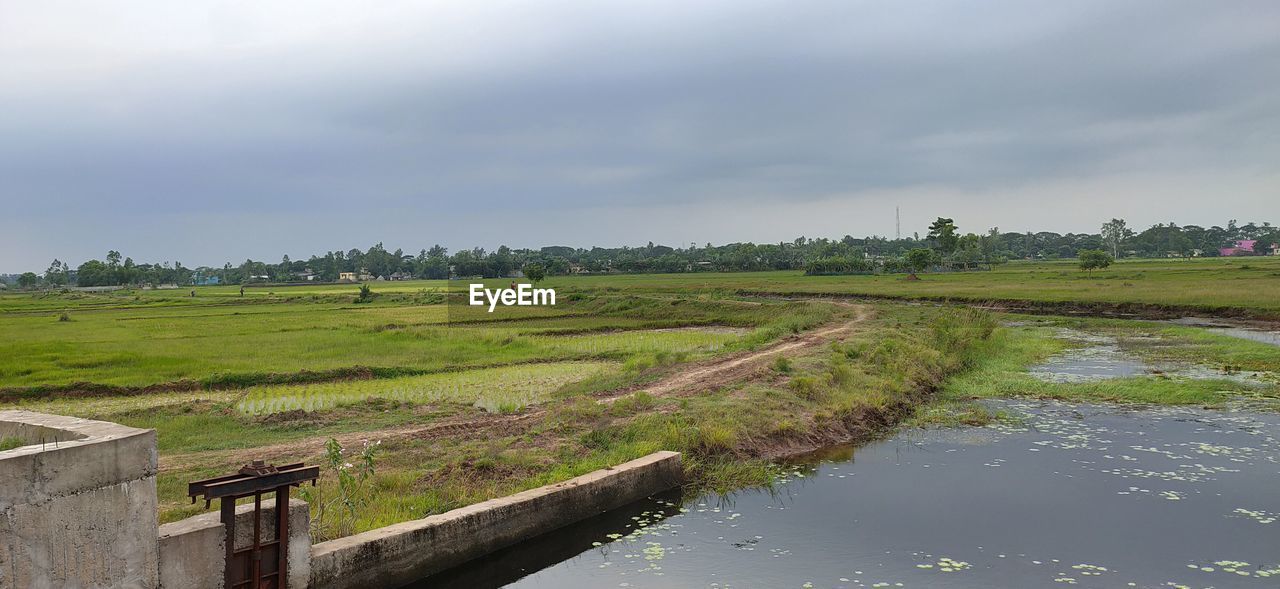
(192, 551)
(77, 504)
(406, 552)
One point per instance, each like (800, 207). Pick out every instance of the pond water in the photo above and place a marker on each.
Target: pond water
(1266, 336)
(1085, 495)
(1098, 357)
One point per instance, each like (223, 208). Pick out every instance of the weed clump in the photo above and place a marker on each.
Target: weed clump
(807, 387)
(781, 365)
(635, 403)
(366, 294)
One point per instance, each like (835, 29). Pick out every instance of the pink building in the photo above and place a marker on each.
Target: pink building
(1243, 247)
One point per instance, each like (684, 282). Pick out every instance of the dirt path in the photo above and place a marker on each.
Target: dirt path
(723, 371)
(697, 377)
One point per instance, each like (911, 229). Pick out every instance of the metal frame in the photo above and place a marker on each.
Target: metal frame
(246, 568)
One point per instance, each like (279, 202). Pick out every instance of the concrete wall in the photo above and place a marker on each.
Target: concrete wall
(405, 552)
(193, 551)
(79, 513)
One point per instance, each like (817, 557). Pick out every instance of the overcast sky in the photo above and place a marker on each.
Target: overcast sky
(211, 131)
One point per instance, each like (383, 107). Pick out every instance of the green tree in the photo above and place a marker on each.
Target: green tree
(1094, 260)
(920, 258)
(56, 275)
(534, 272)
(28, 280)
(943, 232)
(1114, 233)
(1266, 240)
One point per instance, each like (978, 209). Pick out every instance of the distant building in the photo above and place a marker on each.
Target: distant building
(346, 277)
(1243, 247)
(400, 276)
(201, 279)
(1275, 249)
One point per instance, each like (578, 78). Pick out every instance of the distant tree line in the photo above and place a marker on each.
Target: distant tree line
(945, 243)
(946, 247)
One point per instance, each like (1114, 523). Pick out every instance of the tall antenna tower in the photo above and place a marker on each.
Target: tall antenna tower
(897, 222)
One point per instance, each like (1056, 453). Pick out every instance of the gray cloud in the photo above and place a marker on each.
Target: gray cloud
(221, 130)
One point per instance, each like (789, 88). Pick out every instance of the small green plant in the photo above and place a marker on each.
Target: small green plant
(714, 438)
(501, 405)
(64, 317)
(781, 365)
(366, 294)
(841, 374)
(340, 512)
(634, 403)
(10, 443)
(807, 387)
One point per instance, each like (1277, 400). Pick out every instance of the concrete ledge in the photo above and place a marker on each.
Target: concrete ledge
(192, 551)
(77, 504)
(78, 455)
(402, 553)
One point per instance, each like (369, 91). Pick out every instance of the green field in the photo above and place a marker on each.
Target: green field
(229, 342)
(1248, 286)
(146, 337)
(472, 405)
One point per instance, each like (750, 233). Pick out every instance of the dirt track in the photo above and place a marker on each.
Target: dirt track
(719, 372)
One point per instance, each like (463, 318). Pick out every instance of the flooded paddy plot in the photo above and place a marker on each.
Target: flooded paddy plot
(1097, 356)
(1086, 495)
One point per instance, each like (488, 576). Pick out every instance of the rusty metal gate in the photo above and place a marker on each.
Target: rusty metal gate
(263, 563)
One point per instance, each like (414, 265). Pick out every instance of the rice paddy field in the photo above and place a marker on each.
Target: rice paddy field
(496, 390)
(470, 405)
